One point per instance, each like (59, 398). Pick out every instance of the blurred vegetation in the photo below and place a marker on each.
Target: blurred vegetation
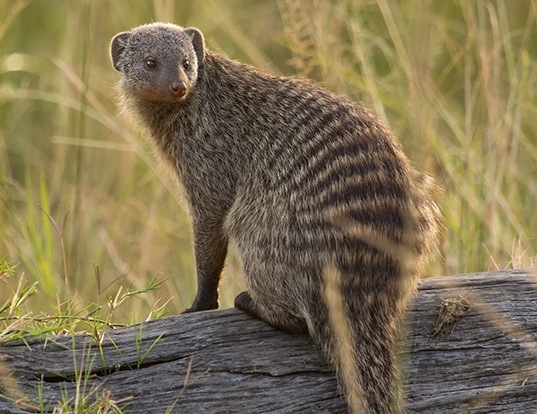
(86, 212)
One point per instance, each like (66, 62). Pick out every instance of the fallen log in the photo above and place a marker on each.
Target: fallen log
(471, 348)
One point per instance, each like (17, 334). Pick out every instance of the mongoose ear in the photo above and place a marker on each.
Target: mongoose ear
(119, 42)
(197, 42)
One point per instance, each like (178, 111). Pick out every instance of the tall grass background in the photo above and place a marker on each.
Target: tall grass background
(89, 219)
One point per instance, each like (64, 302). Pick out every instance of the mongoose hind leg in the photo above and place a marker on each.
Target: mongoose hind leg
(245, 303)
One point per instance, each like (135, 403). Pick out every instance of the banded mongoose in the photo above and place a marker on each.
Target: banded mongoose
(330, 221)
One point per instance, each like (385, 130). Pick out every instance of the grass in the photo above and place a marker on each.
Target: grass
(96, 227)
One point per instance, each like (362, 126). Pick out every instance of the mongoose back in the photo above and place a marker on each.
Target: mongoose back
(330, 221)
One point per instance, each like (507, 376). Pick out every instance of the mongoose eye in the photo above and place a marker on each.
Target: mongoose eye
(150, 64)
(186, 64)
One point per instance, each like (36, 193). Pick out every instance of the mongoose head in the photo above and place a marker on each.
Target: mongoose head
(159, 61)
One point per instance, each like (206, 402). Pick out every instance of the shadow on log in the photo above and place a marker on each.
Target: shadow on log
(482, 360)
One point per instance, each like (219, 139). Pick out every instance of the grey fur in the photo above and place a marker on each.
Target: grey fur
(301, 181)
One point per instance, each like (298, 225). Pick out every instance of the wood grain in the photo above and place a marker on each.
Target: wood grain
(226, 362)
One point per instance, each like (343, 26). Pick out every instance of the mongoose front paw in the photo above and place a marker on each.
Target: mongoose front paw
(198, 307)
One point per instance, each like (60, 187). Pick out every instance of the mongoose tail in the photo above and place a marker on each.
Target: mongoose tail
(361, 334)
(343, 352)
(359, 339)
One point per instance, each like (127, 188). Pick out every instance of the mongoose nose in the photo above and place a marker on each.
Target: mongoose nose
(178, 89)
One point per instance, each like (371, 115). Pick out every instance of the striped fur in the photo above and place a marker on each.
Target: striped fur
(330, 221)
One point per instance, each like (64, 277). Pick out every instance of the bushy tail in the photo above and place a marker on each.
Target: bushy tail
(364, 296)
(342, 351)
(362, 347)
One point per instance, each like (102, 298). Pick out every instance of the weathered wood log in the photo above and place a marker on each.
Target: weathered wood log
(227, 362)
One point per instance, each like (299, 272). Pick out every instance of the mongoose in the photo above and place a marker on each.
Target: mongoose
(330, 221)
